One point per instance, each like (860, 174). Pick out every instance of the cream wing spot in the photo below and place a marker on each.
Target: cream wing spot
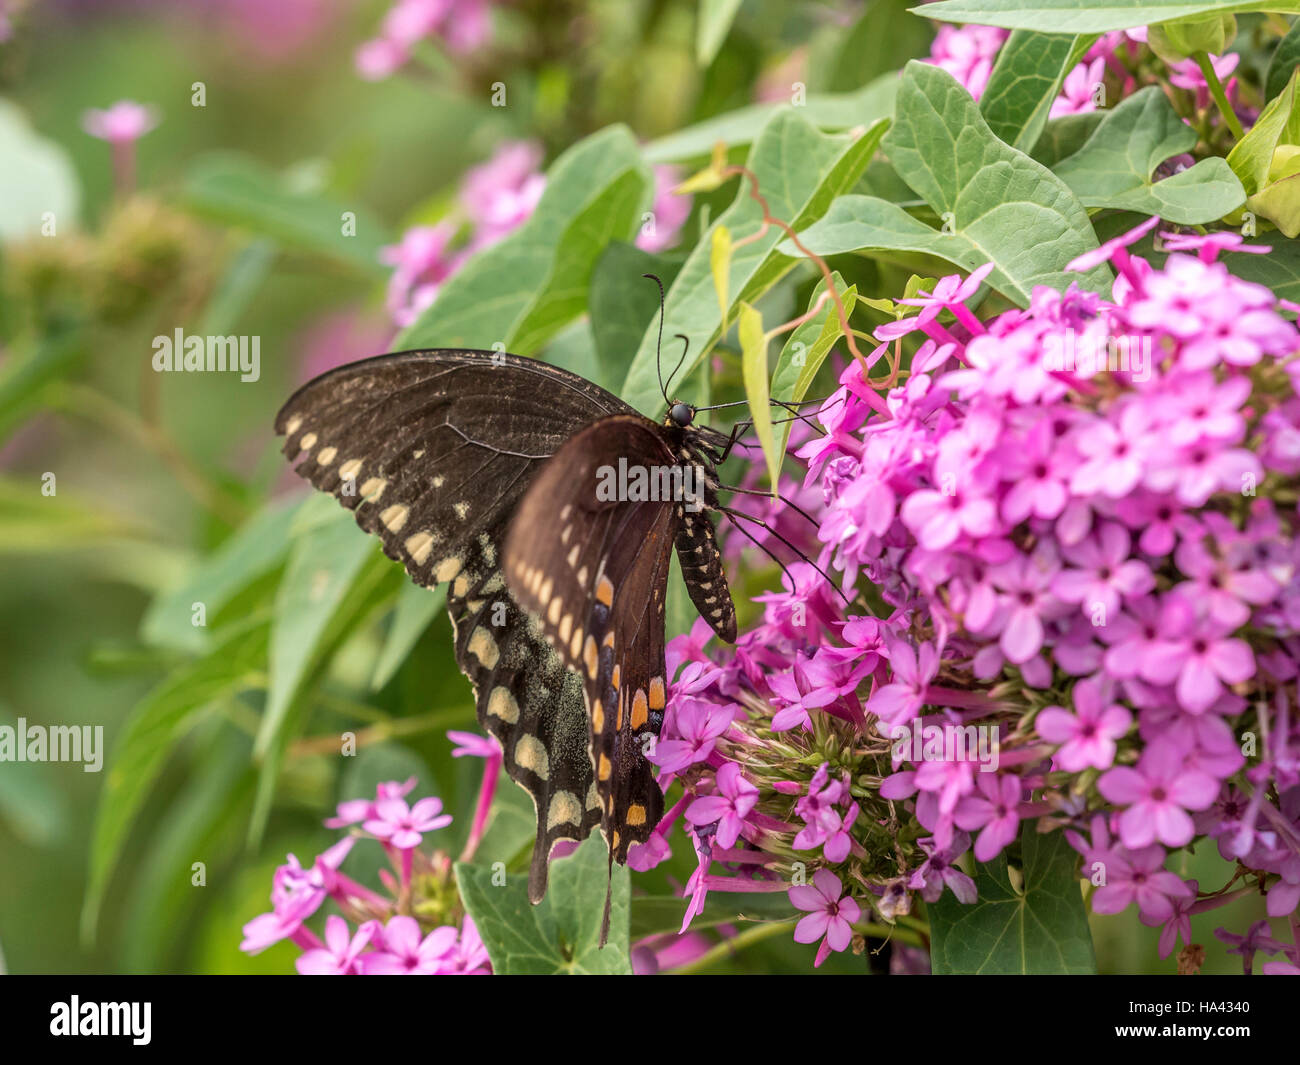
(395, 516)
(293, 425)
(327, 455)
(307, 442)
(565, 810)
(447, 569)
(503, 704)
(419, 546)
(483, 647)
(530, 754)
(373, 488)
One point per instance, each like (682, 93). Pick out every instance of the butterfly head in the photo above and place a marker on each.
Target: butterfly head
(680, 414)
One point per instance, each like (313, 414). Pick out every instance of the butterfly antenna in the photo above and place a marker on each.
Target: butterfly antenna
(734, 514)
(759, 492)
(686, 346)
(659, 345)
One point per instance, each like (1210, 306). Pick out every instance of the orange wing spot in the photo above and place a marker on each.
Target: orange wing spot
(616, 838)
(589, 656)
(657, 694)
(608, 641)
(606, 767)
(618, 724)
(617, 674)
(605, 591)
(639, 714)
(636, 814)
(597, 717)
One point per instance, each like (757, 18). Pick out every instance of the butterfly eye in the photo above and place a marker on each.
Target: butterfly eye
(681, 414)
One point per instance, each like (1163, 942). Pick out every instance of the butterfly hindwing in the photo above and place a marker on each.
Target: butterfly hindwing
(594, 572)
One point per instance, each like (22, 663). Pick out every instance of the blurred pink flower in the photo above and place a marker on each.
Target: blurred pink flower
(123, 123)
(967, 53)
(668, 214)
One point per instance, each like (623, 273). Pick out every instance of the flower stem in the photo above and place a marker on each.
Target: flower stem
(1220, 98)
(728, 948)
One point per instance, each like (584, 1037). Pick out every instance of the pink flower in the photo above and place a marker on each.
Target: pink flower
(1104, 572)
(123, 123)
(339, 956)
(995, 810)
(1088, 736)
(500, 194)
(354, 811)
(698, 725)
(403, 826)
(1139, 876)
(728, 808)
(830, 914)
(1199, 661)
(296, 893)
(1077, 92)
(967, 53)
(400, 950)
(1158, 793)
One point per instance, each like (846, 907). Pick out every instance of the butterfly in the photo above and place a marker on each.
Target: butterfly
(549, 509)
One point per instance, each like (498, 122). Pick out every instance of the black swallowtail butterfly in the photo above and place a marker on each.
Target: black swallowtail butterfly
(483, 471)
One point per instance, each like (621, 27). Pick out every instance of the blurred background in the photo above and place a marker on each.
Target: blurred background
(214, 207)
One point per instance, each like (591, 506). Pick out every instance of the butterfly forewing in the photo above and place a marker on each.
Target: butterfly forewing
(593, 569)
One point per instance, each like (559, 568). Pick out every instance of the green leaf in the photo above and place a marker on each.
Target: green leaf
(1114, 167)
(1265, 160)
(713, 20)
(236, 190)
(1278, 268)
(242, 281)
(561, 933)
(1064, 136)
(753, 350)
(37, 180)
(301, 645)
(1285, 59)
(520, 291)
(1252, 156)
(416, 609)
(323, 566)
(26, 376)
(254, 550)
(998, 205)
(800, 171)
(1076, 16)
(1038, 928)
(204, 823)
(623, 305)
(1026, 80)
(828, 111)
(807, 348)
(151, 731)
